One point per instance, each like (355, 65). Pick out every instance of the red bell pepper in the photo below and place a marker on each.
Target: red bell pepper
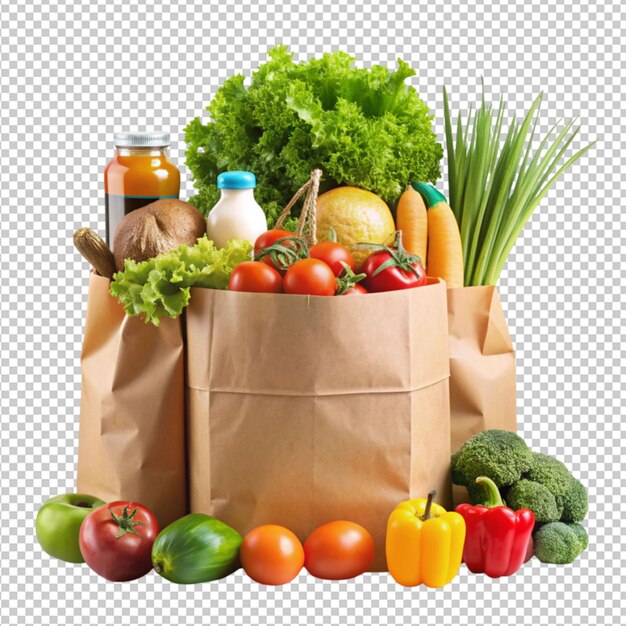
(497, 537)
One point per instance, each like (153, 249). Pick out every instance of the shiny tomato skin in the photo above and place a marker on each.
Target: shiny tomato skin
(338, 550)
(123, 558)
(268, 238)
(254, 276)
(355, 290)
(391, 278)
(310, 277)
(332, 254)
(271, 555)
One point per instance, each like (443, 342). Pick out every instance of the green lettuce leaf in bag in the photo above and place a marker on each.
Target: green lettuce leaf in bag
(160, 287)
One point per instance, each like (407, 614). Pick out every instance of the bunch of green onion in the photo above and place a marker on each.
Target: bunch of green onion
(495, 184)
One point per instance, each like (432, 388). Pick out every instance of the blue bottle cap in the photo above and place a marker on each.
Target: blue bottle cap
(236, 180)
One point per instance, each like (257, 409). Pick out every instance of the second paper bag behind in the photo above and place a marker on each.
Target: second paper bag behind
(303, 410)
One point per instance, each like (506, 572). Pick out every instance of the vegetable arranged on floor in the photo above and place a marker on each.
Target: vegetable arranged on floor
(363, 126)
(196, 548)
(116, 540)
(531, 495)
(445, 253)
(497, 536)
(58, 524)
(500, 455)
(424, 543)
(271, 555)
(560, 542)
(338, 550)
(526, 479)
(569, 493)
(495, 184)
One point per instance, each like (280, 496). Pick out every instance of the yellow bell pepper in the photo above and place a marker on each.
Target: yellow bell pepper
(424, 543)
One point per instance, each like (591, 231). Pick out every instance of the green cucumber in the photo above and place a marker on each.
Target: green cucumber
(196, 548)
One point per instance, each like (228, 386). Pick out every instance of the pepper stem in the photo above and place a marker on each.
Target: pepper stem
(491, 489)
(429, 504)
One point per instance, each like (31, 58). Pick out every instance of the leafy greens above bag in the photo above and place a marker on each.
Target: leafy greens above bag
(160, 287)
(362, 127)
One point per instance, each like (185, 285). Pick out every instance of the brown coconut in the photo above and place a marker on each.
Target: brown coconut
(156, 228)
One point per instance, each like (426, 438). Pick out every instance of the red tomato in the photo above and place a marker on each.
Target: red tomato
(338, 550)
(332, 254)
(116, 540)
(404, 271)
(310, 276)
(255, 276)
(266, 239)
(355, 290)
(269, 238)
(271, 555)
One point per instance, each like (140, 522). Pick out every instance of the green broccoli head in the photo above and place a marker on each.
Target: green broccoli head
(527, 494)
(575, 503)
(581, 533)
(560, 542)
(498, 454)
(569, 493)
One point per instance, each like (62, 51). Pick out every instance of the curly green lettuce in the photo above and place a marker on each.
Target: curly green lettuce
(161, 287)
(362, 127)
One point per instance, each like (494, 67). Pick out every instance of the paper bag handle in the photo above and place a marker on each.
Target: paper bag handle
(309, 207)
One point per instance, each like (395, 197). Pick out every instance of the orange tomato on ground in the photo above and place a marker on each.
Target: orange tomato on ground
(271, 555)
(338, 550)
(333, 254)
(310, 277)
(256, 277)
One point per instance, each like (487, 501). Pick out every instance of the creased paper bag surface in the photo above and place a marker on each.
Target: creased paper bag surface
(482, 366)
(132, 420)
(303, 410)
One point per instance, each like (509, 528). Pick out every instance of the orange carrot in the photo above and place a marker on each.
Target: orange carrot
(445, 251)
(412, 220)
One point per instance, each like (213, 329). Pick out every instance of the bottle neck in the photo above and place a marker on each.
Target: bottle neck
(127, 151)
(239, 193)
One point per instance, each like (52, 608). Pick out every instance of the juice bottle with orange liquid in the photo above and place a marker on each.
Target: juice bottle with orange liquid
(139, 173)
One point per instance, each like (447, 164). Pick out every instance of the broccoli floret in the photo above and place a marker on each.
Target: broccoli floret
(581, 533)
(498, 454)
(575, 503)
(569, 493)
(526, 494)
(559, 542)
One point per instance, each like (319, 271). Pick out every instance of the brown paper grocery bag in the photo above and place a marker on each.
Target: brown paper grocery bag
(303, 410)
(131, 443)
(482, 366)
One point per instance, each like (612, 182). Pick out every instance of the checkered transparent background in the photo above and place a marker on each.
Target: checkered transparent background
(74, 72)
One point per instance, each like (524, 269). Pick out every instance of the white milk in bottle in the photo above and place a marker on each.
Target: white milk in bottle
(237, 214)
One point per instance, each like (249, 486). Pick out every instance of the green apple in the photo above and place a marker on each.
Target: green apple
(58, 524)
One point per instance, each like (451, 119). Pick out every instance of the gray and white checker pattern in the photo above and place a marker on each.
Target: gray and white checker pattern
(72, 72)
